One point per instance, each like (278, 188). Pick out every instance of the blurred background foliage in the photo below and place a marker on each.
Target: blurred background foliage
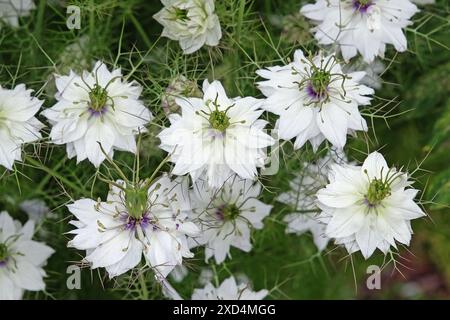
(411, 125)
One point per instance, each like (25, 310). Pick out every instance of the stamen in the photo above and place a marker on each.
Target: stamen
(219, 120)
(98, 97)
(180, 14)
(317, 79)
(380, 188)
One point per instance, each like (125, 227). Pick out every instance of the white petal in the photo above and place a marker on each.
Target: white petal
(98, 133)
(129, 261)
(333, 123)
(374, 165)
(27, 276)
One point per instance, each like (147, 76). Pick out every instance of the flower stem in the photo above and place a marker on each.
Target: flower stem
(54, 174)
(143, 284)
(149, 182)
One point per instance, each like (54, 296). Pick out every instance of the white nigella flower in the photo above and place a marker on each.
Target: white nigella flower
(227, 215)
(315, 100)
(21, 259)
(368, 207)
(97, 107)
(216, 136)
(18, 125)
(11, 10)
(191, 22)
(363, 26)
(228, 290)
(135, 221)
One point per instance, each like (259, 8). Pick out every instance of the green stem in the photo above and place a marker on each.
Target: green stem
(40, 19)
(138, 163)
(216, 277)
(91, 26)
(119, 171)
(44, 181)
(38, 30)
(149, 182)
(143, 286)
(55, 174)
(240, 19)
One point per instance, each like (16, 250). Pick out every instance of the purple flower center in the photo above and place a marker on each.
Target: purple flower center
(219, 213)
(131, 223)
(227, 212)
(362, 5)
(312, 93)
(3, 263)
(97, 113)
